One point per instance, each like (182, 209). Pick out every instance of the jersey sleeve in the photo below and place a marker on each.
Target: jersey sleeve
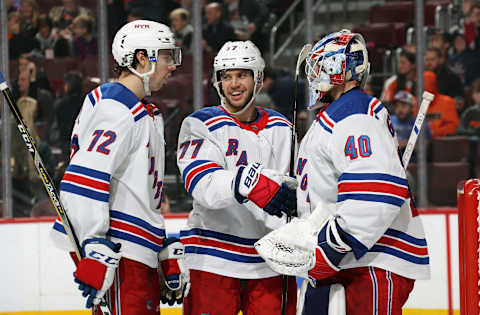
(372, 184)
(202, 166)
(101, 142)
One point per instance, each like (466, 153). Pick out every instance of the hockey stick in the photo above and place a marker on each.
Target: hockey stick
(301, 57)
(427, 98)
(46, 179)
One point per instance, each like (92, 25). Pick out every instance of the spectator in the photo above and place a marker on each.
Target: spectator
(18, 42)
(217, 32)
(38, 78)
(134, 15)
(403, 119)
(50, 44)
(62, 16)
(66, 110)
(440, 41)
(84, 43)
(472, 27)
(247, 17)
(442, 115)
(448, 82)
(183, 31)
(403, 80)
(11, 6)
(24, 86)
(29, 13)
(27, 186)
(470, 119)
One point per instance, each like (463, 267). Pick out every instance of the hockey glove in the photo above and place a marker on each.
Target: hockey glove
(174, 275)
(310, 248)
(96, 270)
(272, 191)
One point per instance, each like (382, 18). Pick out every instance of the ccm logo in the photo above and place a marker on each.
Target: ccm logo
(142, 26)
(99, 256)
(178, 251)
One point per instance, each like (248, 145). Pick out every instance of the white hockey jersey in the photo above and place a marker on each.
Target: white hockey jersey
(112, 187)
(349, 160)
(221, 232)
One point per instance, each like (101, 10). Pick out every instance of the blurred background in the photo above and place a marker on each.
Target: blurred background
(54, 52)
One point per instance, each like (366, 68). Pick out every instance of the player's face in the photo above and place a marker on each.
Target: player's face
(237, 85)
(163, 70)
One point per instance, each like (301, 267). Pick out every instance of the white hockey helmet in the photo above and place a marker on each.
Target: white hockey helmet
(337, 58)
(148, 35)
(239, 55)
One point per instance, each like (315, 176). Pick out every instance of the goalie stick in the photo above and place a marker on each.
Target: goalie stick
(301, 57)
(46, 179)
(427, 98)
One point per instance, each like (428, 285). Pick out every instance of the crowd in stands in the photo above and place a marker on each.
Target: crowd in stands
(43, 32)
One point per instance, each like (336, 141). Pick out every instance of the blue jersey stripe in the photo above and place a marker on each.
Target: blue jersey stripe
(219, 236)
(191, 166)
(378, 109)
(88, 171)
(59, 227)
(92, 99)
(137, 221)
(134, 239)
(282, 124)
(140, 116)
(397, 253)
(324, 126)
(206, 113)
(372, 197)
(199, 176)
(406, 237)
(221, 124)
(223, 254)
(373, 176)
(92, 194)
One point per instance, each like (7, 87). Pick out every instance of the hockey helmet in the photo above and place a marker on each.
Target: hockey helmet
(337, 58)
(143, 34)
(239, 55)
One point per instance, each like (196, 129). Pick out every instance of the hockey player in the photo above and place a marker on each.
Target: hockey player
(112, 188)
(364, 231)
(233, 158)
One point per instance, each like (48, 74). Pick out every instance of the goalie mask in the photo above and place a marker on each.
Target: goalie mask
(239, 55)
(334, 60)
(148, 35)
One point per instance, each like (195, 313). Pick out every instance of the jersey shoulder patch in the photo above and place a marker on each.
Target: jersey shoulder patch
(353, 103)
(276, 119)
(121, 95)
(213, 117)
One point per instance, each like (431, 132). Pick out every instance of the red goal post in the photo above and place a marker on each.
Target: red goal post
(468, 238)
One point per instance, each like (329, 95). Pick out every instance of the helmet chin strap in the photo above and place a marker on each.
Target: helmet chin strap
(145, 78)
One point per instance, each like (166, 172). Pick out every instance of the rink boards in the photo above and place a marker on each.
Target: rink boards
(37, 277)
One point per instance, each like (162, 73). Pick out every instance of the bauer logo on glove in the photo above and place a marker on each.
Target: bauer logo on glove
(270, 190)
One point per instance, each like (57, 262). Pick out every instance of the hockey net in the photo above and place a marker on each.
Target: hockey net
(469, 251)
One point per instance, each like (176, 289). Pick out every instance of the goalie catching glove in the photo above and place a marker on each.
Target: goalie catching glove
(96, 271)
(310, 248)
(272, 191)
(174, 275)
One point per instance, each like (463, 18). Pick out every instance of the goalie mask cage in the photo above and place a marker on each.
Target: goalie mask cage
(468, 230)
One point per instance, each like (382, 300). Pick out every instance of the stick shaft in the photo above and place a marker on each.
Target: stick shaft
(45, 177)
(426, 100)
